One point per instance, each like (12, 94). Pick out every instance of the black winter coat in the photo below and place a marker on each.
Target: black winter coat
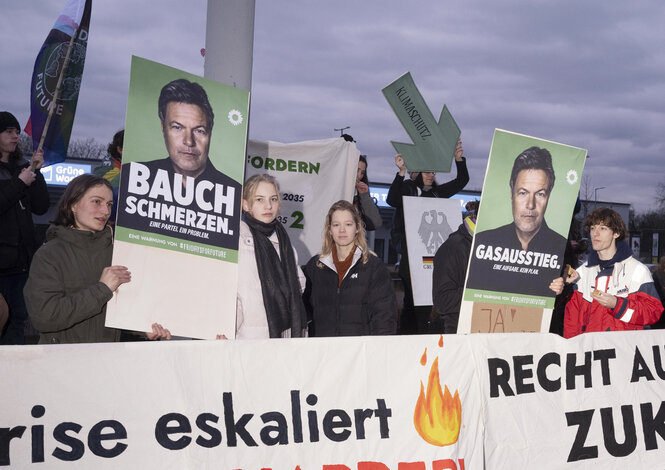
(407, 187)
(363, 305)
(17, 203)
(450, 264)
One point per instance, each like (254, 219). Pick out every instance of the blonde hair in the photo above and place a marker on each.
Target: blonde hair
(251, 185)
(359, 240)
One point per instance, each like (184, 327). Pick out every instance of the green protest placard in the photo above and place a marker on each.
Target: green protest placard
(434, 142)
(179, 202)
(160, 149)
(530, 189)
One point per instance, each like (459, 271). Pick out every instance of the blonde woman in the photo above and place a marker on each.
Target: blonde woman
(349, 290)
(270, 281)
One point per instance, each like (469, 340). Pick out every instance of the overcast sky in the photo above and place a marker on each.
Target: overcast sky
(589, 74)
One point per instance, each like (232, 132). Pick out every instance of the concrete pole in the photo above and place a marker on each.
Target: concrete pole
(230, 42)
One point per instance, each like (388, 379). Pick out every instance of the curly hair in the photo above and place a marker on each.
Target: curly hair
(608, 217)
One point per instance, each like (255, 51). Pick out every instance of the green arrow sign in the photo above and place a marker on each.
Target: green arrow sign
(433, 147)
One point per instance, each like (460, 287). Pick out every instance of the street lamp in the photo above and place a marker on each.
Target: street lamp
(595, 196)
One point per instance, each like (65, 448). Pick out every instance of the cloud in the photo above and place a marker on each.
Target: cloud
(587, 74)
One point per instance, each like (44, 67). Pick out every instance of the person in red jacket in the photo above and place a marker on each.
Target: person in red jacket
(613, 291)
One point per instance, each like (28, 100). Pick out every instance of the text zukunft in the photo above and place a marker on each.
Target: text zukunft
(169, 200)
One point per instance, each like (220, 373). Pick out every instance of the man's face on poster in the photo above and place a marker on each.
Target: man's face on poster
(529, 198)
(187, 137)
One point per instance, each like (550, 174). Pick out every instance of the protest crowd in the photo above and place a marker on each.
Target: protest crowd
(63, 288)
(190, 236)
(203, 299)
(345, 290)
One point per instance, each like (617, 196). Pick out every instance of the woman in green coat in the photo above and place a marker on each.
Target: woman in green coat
(71, 278)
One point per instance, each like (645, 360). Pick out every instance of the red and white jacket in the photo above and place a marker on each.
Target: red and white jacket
(629, 280)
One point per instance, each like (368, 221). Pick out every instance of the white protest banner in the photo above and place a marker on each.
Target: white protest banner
(448, 402)
(317, 403)
(529, 193)
(593, 401)
(428, 222)
(312, 175)
(179, 203)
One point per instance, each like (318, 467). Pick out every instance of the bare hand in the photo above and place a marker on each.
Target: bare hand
(399, 161)
(27, 176)
(37, 160)
(362, 187)
(114, 276)
(557, 285)
(605, 299)
(572, 277)
(158, 332)
(459, 151)
(221, 337)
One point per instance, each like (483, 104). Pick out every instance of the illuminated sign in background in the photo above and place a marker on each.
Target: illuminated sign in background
(60, 174)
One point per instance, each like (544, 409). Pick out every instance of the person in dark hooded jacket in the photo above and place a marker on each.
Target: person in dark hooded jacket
(23, 192)
(450, 265)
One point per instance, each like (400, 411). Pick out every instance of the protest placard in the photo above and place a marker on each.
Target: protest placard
(179, 203)
(529, 193)
(428, 221)
(312, 175)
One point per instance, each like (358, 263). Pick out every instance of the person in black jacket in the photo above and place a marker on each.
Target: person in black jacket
(450, 264)
(349, 290)
(423, 185)
(22, 193)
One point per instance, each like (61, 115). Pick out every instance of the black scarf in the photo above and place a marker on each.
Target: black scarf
(280, 286)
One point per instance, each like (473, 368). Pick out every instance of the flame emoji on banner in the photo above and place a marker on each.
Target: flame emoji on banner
(438, 415)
